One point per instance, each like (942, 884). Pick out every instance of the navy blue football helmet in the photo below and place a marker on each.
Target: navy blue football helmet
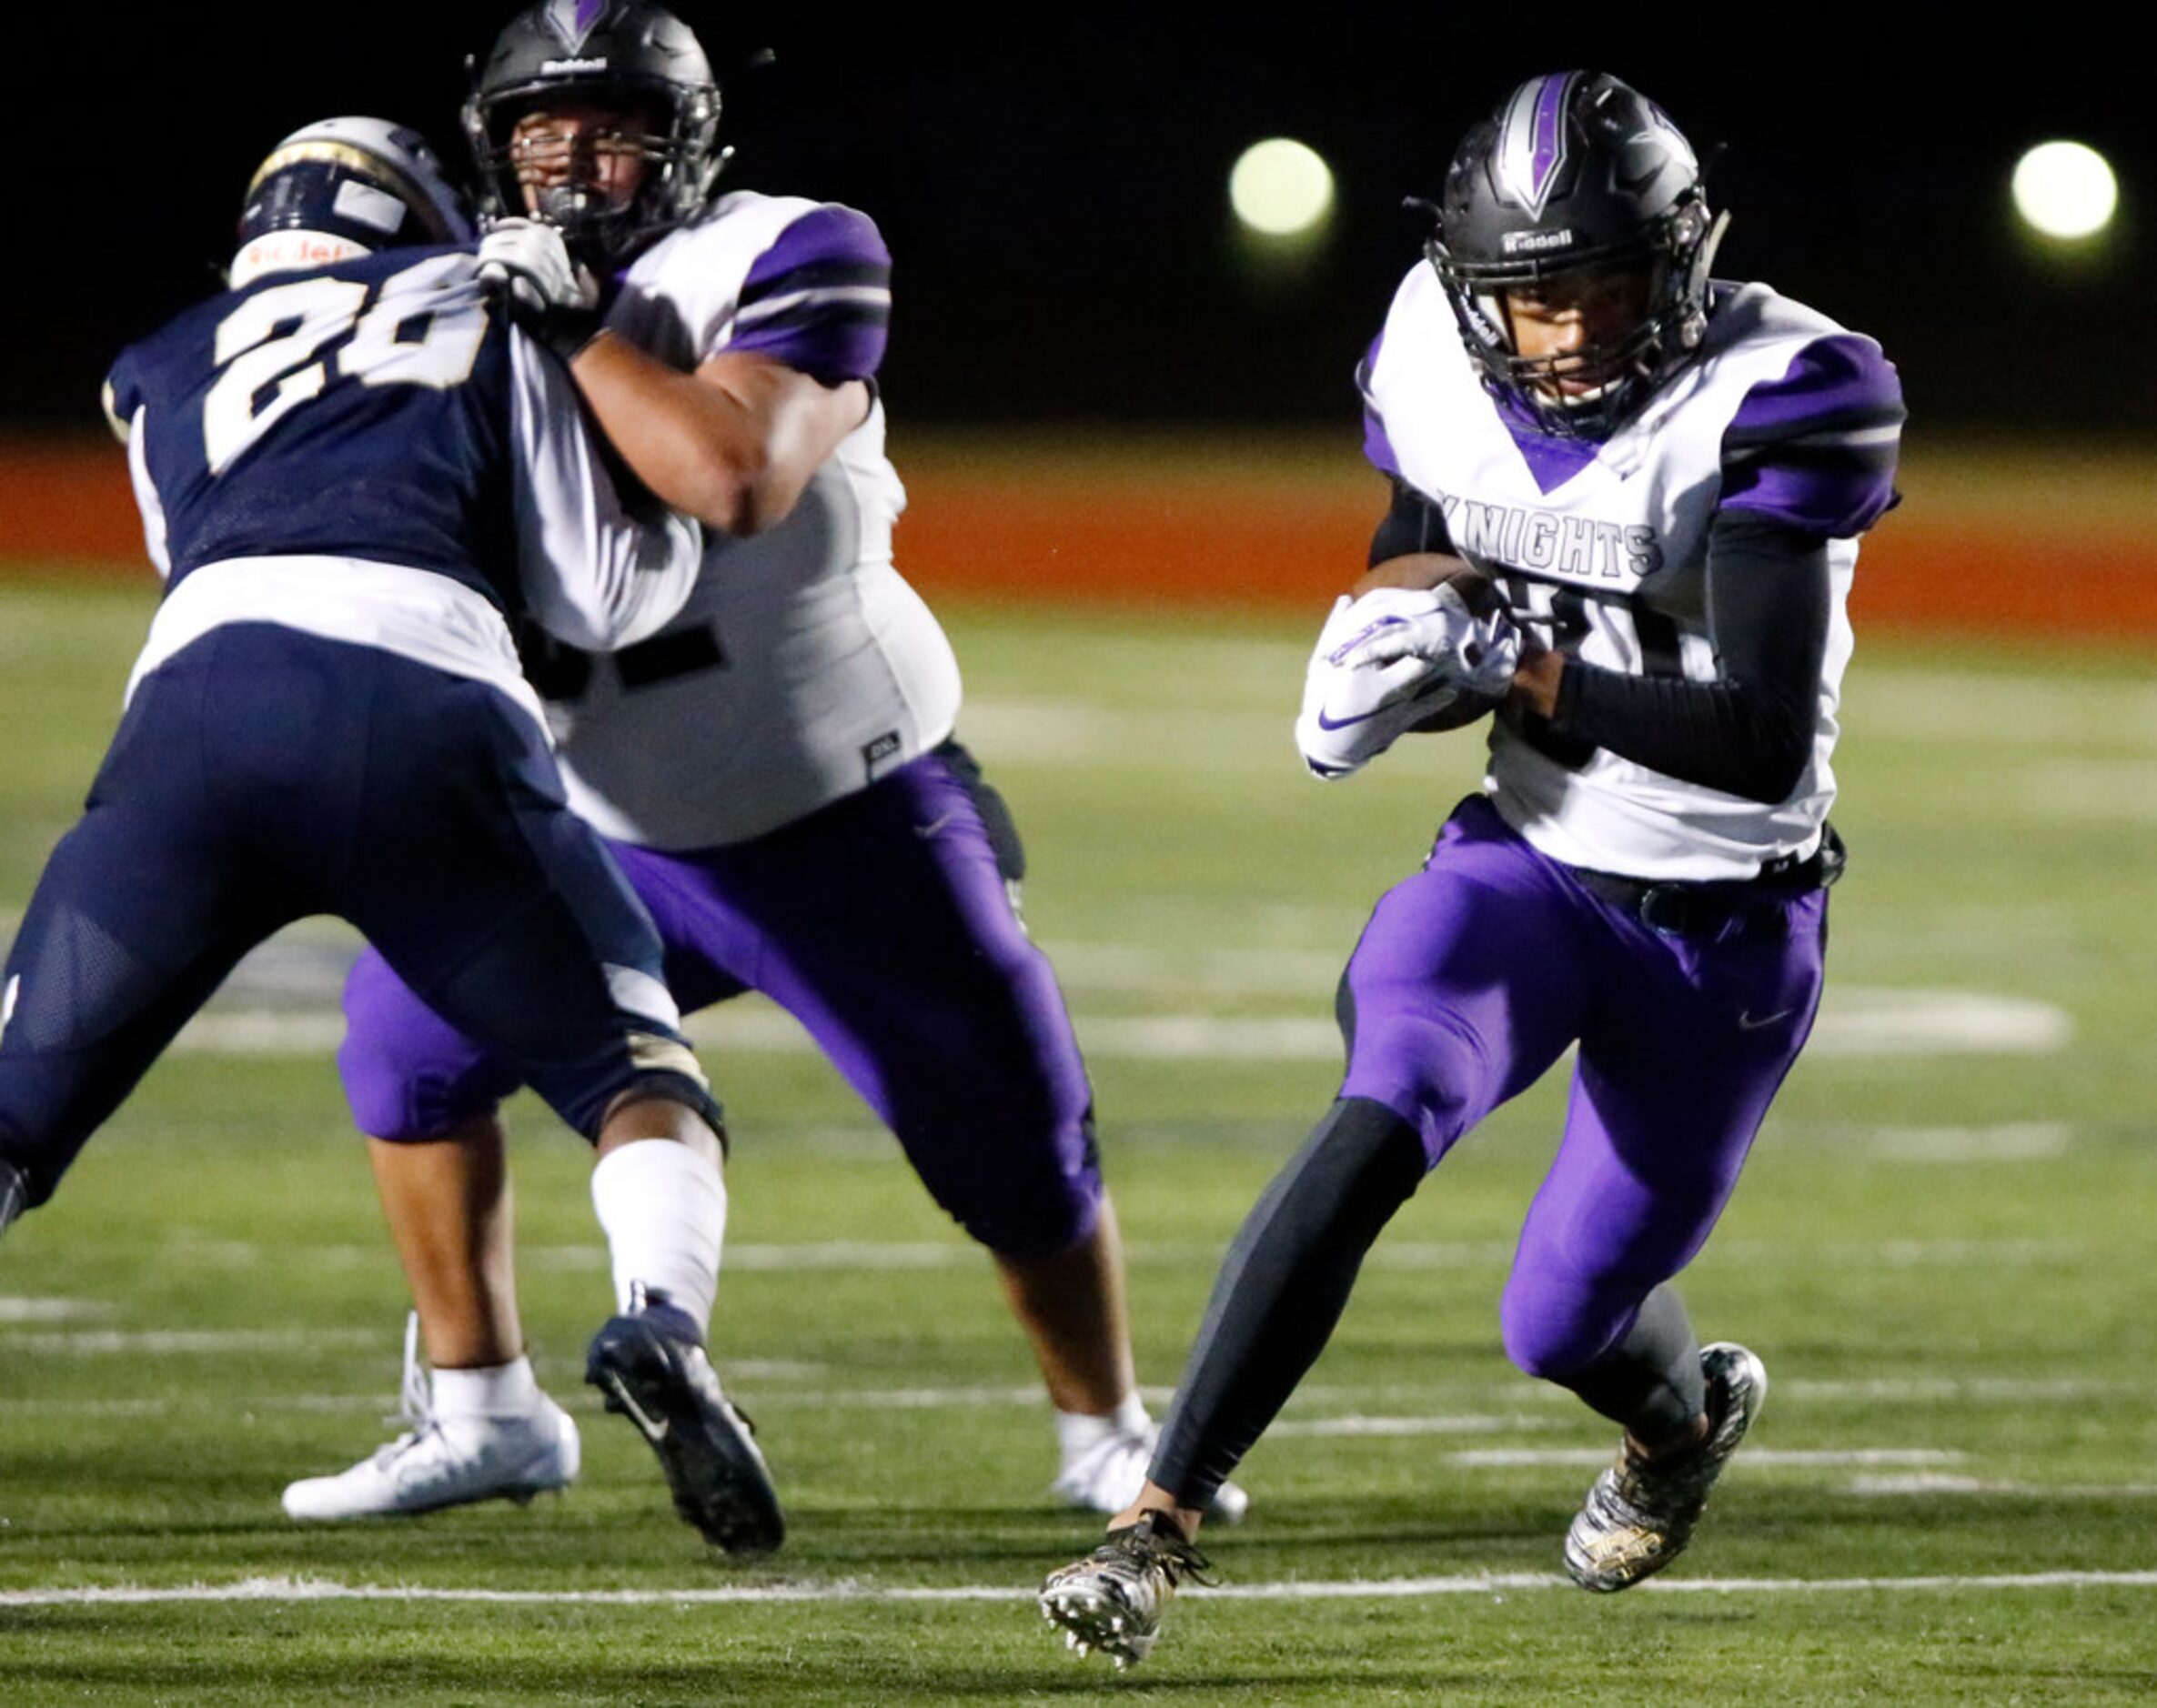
(1577, 172)
(627, 56)
(342, 187)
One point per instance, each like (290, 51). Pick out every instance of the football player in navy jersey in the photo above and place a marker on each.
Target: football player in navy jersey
(353, 474)
(1626, 507)
(775, 772)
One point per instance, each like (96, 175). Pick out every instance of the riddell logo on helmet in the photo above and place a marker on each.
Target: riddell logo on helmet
(571, 67)
(1531, 241)
(288, 252)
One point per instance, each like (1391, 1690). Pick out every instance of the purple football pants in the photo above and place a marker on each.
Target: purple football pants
(1471, 979)
(882, 923)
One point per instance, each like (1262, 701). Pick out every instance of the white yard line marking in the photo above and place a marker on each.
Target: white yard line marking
(2014, 1142)
(111, 1340)
(19, 1309)
(1864, 1020)
(851, 1590)
(1466, 1424)
(2008, 1390)
(1933, 1483)
(1497, 1456)
(1855, 1021)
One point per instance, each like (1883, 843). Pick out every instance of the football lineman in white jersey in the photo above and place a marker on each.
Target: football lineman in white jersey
(775, 772)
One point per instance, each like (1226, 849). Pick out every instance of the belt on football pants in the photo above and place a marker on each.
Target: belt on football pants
(1703, 909)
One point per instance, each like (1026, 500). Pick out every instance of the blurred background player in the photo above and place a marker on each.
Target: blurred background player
(352, 475)
(1590, 441)
(775, 770)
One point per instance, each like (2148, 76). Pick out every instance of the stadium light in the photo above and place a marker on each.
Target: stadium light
(1281, 188)
(2065, 190)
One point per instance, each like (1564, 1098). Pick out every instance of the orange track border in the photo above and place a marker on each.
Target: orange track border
(1256, 525)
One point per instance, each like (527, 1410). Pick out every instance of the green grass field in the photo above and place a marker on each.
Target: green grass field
(1943, 1249)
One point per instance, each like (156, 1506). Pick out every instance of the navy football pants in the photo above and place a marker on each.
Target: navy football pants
(262, 775)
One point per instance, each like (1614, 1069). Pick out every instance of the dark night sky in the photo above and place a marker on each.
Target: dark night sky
(1052, 186)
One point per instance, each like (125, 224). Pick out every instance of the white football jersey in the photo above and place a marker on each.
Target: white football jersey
(803, 667)
(1614, 552)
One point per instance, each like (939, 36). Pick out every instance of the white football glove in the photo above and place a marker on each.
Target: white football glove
(1477, 655)
(1356, 706)
(527, 259)
(551, 295)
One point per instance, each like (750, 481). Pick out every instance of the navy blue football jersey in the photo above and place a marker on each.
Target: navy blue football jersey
(357, 410)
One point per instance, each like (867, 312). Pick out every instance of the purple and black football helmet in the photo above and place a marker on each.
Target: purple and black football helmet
(627, 56)
(1575, 171)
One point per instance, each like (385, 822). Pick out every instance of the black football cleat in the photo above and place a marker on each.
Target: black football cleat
(655, 1372)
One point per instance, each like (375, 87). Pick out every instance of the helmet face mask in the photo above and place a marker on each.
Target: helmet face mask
(342, 187)
(1576, 181)
(624, 61)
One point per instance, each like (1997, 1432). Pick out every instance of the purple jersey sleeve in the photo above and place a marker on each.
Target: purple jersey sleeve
(819, 298)
(1815, 448)
(1375, 445)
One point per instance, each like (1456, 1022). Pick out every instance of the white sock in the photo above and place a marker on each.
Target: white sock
(495, 1391)
(1078, 1434)
(664, 1210)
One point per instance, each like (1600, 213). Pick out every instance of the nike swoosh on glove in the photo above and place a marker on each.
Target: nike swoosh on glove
(1356, 706)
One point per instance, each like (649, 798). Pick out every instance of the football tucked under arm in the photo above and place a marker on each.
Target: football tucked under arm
(1398, 659)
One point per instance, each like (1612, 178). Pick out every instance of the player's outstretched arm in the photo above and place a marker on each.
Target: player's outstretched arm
(734, 444)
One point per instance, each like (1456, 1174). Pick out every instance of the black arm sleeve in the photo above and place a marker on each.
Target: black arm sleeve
(1414, 524)
(1750, 732)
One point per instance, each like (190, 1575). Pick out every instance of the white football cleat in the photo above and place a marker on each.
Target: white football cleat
(449, 1463)
(1107, 1478)
(446, 1462)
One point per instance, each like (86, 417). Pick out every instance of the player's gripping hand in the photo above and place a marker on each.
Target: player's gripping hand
(1354, 707)
(549, 294)
(1476, 654)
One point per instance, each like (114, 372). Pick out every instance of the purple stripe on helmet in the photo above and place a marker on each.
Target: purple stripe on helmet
(589, 13)
(1532, 138)
(1549, 141)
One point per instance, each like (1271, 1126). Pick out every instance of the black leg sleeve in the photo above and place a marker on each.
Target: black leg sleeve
(1282, 1288)
(1650, 1381)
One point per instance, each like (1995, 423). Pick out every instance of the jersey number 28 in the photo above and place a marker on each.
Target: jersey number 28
(266, 346)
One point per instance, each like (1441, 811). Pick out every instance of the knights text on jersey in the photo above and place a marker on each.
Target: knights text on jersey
(803, 667)
(1782, 412)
